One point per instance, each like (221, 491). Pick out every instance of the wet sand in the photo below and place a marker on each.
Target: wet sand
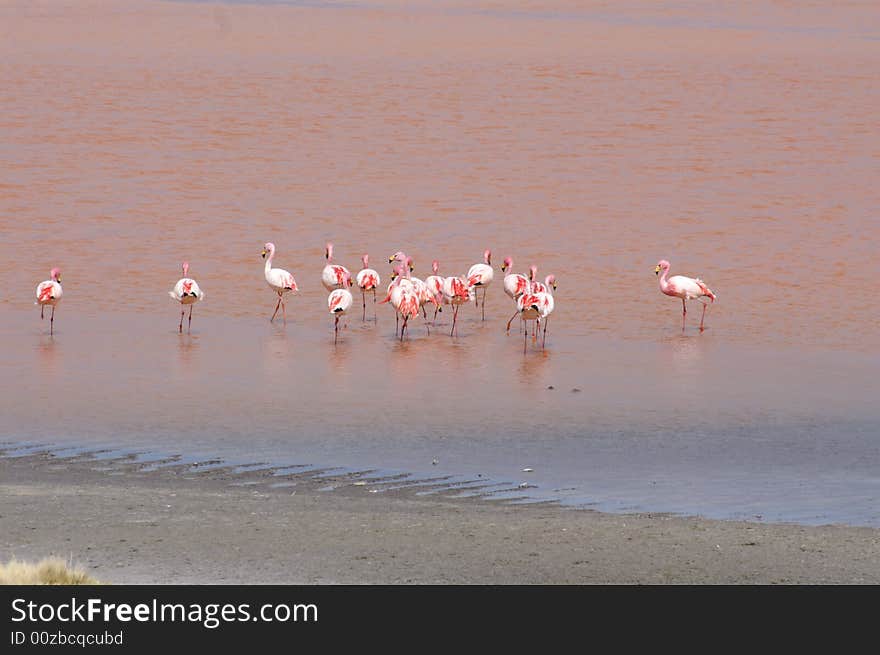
(176, 527)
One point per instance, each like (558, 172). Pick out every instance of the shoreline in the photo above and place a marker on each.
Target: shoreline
(171, 525)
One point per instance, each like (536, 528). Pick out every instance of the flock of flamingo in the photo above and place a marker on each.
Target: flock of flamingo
(410, 295)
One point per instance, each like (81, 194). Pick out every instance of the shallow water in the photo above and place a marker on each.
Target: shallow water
(737, 143)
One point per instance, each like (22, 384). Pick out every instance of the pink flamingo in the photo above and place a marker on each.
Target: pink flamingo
(334, 275)
(279, 280)
(423, 292)
(434, 283)
(338, 302)
(686, 288)
(515, 284)
(545, 286)
(49, 293)
(367, 280)
(401, 257)
(402, 296)
(535, 306)
(456, 292)
(481, 275)
(186, 292)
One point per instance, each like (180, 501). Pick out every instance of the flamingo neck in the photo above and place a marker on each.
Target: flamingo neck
(664, 283)
(269, 259)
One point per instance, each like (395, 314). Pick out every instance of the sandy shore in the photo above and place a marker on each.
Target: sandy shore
(173, 525)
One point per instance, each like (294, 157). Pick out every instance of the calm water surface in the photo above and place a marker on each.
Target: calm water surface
(738, 143)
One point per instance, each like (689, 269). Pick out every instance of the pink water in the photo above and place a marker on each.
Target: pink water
(591, 139)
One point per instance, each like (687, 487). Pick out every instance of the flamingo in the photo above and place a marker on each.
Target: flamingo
(423, 292)
(535, 306)
(515, 285)
(334, 275)
(456, 292)
(434, 283)
(279, 280)
(481, 275)
(402, 296)
(186, 292)
(545, 286)
(49, 293)
(401, 257)
(367, 280)
(686, 288)
(338, 302)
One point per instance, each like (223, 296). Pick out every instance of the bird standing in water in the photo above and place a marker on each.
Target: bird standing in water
(186, 292)
(481, 275)
(49, 293)
(279, 280)
(338, 302)
(686, 288)
(367, 280)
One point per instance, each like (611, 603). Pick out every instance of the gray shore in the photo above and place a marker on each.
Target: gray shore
(173, 525)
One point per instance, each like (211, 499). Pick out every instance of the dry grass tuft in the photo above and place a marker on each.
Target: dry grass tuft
(49, 571)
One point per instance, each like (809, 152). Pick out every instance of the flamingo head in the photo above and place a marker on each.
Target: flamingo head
(410, 264)
(550, 281)
(328, 251)
(398, 256)
(662, 265)
(268, 249)
(487, 256)
(366, 260)
(185, 268)
(399, 272)
(533, 272)
(508, 263)
(55, 274)
(435, 267)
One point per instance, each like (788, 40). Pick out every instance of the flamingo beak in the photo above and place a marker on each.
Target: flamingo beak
(504, 268)
(263, 255)
(657, 270)
(58, 278)
(391, 259)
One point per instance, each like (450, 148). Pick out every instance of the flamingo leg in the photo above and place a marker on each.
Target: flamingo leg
(396, 323)
(374, 304)
(189, 323)
(684, 312)
(52, 321)
(277, 305)
(284, 310)
(526, 339)
(42, 308)
(511, 321)
(336, 330)
(180, 327)
(403, 328)
(484, 303)
(703, 317)
(364, 298)
(544, 338)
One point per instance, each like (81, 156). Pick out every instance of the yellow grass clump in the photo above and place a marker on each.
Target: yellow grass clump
(51, 570)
